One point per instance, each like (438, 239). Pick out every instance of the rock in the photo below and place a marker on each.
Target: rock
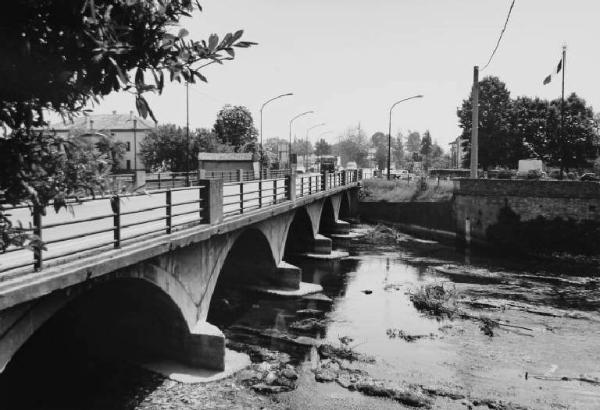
(249, 376)
(270, 378)
(263, 367)
(404, 396)
(310, 313)
(267, 389)
(308, 325)
(289, 373)
(367, 291)
(325, 375)
(345, 381)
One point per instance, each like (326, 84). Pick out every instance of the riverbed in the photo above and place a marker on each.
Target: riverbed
(545, 352)
(523, 334)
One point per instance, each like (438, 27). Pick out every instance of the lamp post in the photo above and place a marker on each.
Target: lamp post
(261, 127)
(307, 132)
(291, 122)
(389, 156)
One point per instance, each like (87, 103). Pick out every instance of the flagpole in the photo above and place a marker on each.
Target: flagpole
(562, 101)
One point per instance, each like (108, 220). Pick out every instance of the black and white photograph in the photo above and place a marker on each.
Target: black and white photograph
(300, 204)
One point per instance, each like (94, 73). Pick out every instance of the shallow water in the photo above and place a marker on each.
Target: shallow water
(552, 326)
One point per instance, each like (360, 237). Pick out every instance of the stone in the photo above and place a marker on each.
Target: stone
(324, 375)
(289, 373)
(270, 378)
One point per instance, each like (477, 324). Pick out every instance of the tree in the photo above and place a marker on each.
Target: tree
(60, 55)
(413, 142)
(379, 140)
(302, 147)
(426, 147)
(354, 147)
(498, 144)
(235, 126)
(166, 148)
(208, 142)
(322, 147)
(398, 151)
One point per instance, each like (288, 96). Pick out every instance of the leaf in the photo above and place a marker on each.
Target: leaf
(213, 41)
(139, 78)
(122, 76)
(237, 35)
(245, 44)
(182, 33)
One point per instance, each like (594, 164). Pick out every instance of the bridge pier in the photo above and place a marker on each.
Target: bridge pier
(204, 347)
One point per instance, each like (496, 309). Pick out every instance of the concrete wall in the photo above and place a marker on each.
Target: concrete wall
(431, 215)
(480, 201)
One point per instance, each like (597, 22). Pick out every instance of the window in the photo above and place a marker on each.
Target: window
(128, 164)
(128, 148)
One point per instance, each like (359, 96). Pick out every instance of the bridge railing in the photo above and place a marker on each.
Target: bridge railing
(104, 223)
(92, 225)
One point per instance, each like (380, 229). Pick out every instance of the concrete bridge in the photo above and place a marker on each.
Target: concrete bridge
(136, 273)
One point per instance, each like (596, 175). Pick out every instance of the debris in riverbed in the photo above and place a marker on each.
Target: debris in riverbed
(310, 313)
(401, 334)
(367, 291)
(436, 300)
(308, 325)
(381, 235)
(344, 351)
(487, 326)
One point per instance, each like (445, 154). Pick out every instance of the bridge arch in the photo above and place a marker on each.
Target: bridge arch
(328, 216)
(300, 235)
(249, 262)
(125, 318)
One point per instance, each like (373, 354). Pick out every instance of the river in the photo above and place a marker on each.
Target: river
(526, 335)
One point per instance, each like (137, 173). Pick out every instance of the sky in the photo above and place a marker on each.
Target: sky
(350, 60)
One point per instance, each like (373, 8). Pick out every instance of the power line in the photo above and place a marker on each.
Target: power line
(501, 34)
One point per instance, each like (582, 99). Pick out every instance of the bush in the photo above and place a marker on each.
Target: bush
(555, 174)
(572, 176)
(534, 174)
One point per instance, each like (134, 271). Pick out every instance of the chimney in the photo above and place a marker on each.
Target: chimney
(114, 112)
(131, 115)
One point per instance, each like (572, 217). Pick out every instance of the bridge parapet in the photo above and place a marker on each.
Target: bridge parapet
(90, 226)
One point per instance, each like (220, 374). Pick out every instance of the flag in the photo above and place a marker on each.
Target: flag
(548, 79)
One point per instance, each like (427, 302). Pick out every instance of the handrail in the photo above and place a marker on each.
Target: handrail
(162, 211)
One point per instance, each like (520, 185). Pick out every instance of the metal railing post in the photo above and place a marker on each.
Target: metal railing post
(116, 207)
(169, 210)
(159, 180)
(260, 193)
(274, 191)
(38, 259)
(241, 197)
(310, 185)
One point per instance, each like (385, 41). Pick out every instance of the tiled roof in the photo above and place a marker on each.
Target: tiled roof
(225, 156)
(105, 122)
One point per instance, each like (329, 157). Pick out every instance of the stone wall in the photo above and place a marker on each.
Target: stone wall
(480, 202)
(431, 215)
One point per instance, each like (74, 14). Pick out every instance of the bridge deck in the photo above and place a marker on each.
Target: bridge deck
(94, 237)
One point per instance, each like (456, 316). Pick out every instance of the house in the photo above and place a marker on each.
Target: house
(228, 161)
(125, 128)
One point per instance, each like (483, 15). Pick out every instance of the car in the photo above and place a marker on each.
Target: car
(589, 176)
(351, 165)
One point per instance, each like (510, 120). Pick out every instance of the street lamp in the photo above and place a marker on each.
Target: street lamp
(307, 132)
(261, 126)
(389, 156)
(291, 122)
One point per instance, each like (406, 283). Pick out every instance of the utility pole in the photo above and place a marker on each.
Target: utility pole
(475, 124)
(187, 133)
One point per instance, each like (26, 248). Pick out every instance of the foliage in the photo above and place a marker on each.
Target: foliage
(166, 148)
(413, 142)
(235, 126)
(436, 300)
(379, 140)
(59, 56)
(525, 127)
(322, 147)
(498, 145)
(88, 48)
(398, 151)
(50, 168)
(375, 190)
(302, 147)
(354, 147)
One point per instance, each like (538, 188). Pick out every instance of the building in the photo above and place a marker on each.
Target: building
(456, 153)
(128, 129)
(228, 161)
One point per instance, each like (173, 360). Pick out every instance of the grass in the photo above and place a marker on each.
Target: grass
(376, 190)
(436, 300)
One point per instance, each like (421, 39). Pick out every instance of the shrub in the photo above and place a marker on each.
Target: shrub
(534, 174)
